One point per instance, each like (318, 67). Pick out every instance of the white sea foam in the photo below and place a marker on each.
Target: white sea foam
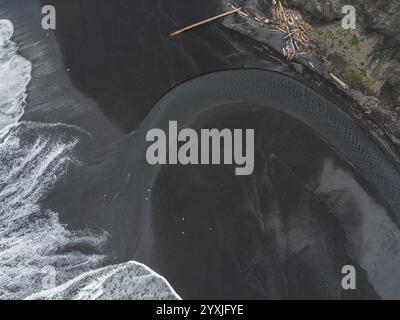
(15, 75)
(127, 281)
(32, 158)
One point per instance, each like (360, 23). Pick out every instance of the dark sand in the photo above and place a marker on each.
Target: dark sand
(267, 236)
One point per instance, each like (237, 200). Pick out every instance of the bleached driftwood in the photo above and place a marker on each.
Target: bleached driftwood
(198, 24)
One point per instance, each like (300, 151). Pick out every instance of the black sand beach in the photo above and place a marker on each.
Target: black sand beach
(284, 232)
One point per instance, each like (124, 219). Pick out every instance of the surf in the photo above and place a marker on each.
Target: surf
(15, 75)
(33, 158)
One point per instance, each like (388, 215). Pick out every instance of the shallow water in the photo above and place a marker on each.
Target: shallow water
(33, 157)
(284, 232)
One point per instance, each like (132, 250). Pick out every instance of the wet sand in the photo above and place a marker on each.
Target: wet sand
(273, 235)
(268, 236)
(301, 215)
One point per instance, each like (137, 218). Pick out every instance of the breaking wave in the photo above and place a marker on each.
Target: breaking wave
(127, 281)
(15, 75)
(33, 157)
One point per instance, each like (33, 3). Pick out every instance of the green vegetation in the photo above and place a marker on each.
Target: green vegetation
(358, 78)
(378, 53)
(355, 41)
(348, 54)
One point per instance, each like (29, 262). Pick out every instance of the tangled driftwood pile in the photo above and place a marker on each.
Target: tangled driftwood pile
(296, 29)
(287, 21)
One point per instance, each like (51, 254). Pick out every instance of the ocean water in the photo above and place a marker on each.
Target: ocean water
(15, 74)
(33, 157)
(139, 283)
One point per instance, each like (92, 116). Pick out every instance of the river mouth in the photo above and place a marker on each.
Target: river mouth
(284, 232)
(318, 199)
(271, 235)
